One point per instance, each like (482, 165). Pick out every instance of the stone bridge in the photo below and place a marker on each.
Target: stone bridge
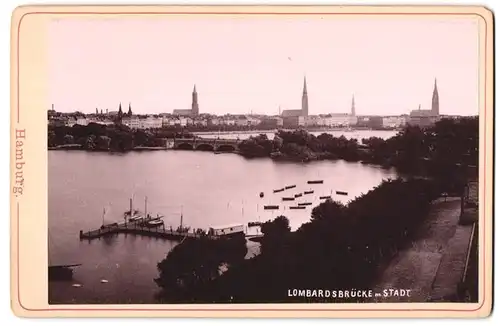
(207, 144)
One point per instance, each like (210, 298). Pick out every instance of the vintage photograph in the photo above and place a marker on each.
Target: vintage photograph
(263, 159)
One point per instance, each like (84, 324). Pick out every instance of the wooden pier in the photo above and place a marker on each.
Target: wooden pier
(137, 228)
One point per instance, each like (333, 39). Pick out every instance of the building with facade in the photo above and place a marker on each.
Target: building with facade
(394, 121)
(304, 112)
(293, 122)
(132, 122)
(426, 118)
(195, 109)
(339, 120)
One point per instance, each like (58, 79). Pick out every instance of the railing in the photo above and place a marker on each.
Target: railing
(468, 286)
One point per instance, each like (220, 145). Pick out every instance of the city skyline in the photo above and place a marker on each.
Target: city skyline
(234, 74)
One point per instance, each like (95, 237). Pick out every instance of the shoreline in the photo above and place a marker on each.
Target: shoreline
(275, 156)
(267, 131)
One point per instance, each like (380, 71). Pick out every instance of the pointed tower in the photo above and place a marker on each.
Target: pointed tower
(435, 100)
(195, 110)
(129, 113)
(305, 102)
(96, 111)
(120, 112)
(353, 107)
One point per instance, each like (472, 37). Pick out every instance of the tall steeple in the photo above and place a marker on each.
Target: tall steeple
(435, 99)
(353, 107)
(305, 101)
(120, 112)
(195, 110)
(129, 113)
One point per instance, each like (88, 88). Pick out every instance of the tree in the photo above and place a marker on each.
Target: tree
(188, 270)
(275, 234)
(102, 143)
(68, 139)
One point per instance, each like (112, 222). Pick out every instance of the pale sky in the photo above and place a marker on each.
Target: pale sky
(249, 63)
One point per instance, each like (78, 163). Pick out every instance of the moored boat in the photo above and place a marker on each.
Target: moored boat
(290, 187)
(288, 198)
(344, 193)
(305, 204)
(314, 181)
(297, 207)
(298, 195)
(308, 192)
(61, 272)
(279, 190)
(155, 223)
(324, 197)
(136, 218)
(271, 207)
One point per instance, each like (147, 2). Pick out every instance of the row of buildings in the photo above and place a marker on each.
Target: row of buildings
(242, 121)
(288, 119)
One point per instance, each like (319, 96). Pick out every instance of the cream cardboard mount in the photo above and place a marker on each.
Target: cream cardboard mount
(116, 194)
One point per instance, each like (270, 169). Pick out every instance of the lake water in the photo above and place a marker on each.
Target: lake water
(209, 190)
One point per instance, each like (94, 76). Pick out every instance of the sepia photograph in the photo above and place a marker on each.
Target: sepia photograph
(205, 158)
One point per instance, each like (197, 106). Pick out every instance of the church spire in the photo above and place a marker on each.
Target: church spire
(195, 109)
(305, 100)
(129, 113)
(435, 99)
(353, 106)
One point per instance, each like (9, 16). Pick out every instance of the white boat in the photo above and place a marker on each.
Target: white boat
(228, 230)
(136, 218)
(155, 222)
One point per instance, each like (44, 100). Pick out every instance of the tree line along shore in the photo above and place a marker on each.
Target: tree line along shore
(445, 149)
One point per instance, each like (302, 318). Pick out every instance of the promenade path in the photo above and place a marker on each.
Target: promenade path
(432, 266)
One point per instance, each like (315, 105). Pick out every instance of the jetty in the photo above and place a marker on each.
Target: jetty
(139, 228)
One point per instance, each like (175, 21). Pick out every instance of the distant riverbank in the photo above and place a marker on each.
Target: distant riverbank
(411, 150)
(309, 129)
